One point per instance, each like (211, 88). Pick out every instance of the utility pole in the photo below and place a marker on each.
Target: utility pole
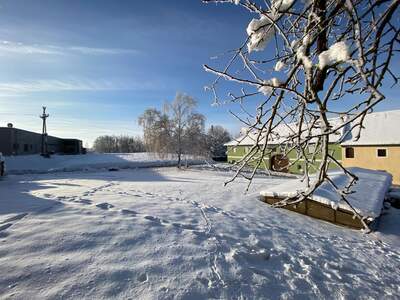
(44, 116)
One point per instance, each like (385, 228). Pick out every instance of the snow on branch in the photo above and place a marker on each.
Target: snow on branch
(338, 52)
(260, 31)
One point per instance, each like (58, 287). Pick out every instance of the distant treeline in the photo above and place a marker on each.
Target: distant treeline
(118, 144)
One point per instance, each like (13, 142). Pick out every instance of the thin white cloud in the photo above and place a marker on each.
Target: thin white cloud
(10, 95)
(101, 51)
(51, 85)
(20, 48)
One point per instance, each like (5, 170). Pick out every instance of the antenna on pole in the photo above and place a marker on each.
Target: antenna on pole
(44, 116)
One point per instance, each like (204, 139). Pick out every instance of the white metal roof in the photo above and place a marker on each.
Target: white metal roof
(279, 135)
(380, 128)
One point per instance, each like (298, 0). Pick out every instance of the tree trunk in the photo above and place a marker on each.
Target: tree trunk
(179, 159)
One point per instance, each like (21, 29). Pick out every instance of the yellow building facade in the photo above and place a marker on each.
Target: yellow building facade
(381, 157)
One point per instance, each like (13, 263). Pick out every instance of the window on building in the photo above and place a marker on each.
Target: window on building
(349, 152)
(234, 150)
(381, 152)
(26, 147)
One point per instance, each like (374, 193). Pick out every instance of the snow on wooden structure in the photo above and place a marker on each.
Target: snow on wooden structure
(366, 198)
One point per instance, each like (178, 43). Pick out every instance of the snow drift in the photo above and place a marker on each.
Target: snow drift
(36, 164)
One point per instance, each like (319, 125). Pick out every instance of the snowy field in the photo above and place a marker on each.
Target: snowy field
(24, 164)
(179, 234)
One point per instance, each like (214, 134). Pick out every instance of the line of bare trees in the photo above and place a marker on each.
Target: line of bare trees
(179, 129)
(118, 144)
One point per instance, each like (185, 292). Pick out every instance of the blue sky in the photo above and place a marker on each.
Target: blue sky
(98, 64)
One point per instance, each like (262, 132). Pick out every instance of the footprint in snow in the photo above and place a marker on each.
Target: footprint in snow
(143, 277)
(184, 226)
(105, 205)
(85, 201)
(156, 220)
(204, 281)
(128, 212)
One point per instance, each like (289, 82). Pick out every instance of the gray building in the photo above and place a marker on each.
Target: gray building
(14, 141)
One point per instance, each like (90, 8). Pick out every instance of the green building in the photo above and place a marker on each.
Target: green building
(275, 160)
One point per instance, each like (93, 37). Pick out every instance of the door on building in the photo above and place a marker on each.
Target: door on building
(280, 163)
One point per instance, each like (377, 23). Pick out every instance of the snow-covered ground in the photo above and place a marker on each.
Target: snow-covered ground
(179, 234)
(24, 164)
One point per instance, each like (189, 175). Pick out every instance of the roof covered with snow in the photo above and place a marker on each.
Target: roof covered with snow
(380, 128)
(367, 197)
(280, 135)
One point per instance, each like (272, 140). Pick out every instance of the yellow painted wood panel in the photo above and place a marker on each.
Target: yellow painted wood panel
(366, 157)
(321, 211)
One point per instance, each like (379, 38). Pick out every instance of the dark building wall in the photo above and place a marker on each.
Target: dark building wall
(15, 141)
(72, 146)
(5, 141)
(54, 145)
(25, 142)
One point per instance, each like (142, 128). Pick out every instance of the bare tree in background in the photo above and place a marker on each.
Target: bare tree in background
(179, 129)
(181, 113)
(157, 131)
(194, 135)
(318, 54)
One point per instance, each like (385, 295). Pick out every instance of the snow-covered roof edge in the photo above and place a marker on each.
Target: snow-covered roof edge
(379, 129)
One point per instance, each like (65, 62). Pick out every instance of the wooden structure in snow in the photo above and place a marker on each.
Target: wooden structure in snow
(366, 198)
